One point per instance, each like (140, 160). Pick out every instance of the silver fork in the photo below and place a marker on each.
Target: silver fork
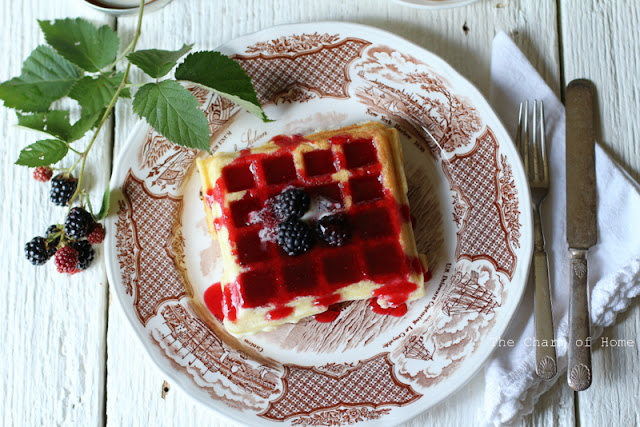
(534, 157)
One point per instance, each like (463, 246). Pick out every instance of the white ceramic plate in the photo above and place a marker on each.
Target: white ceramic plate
(468, 194)
(435, 4)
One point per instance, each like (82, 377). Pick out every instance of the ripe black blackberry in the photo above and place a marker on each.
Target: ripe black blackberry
(85, 253)
(77, 223)
(294, 236)
(334, 229)
(292, 202)
(36, 251)
(62, 189)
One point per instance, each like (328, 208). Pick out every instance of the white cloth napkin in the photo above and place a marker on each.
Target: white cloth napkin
(511, 385)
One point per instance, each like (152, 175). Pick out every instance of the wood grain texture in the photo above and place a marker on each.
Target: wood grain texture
(460, 36)
(601, 43)
(53, 326)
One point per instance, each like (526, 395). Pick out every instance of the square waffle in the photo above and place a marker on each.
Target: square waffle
(356, 171)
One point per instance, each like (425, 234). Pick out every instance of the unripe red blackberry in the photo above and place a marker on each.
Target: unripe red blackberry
(66, 260)
(42, 173)
(96, 233)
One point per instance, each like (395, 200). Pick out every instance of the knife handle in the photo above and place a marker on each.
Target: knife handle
(546, 367)
(579, 368)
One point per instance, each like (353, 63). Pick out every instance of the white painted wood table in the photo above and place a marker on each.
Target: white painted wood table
(68, 355)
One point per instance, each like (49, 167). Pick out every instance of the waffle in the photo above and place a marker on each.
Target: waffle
(356, 170)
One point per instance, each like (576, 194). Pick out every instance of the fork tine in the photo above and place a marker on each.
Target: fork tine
(520, 141)
(525, 138)
(543, 146)
(519, 132)
(534, 131)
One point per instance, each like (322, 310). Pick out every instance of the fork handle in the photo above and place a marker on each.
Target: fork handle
(546, 366)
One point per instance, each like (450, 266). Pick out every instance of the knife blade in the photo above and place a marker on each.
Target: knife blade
(582, 228)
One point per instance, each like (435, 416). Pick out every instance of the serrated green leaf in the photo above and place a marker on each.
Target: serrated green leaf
(95, 93)
(81, 42)
(84, 124)
(222, 75)
(55, 123)
(43, 153)
(46, 76)
(173, 111)
(155, 62)
(104, 208)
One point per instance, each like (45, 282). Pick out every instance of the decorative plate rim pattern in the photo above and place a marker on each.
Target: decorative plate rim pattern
(505, 183)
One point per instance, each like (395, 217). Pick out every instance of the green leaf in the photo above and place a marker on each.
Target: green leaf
(173, 111)
(95, 93)
(104, 208)
(43, 153)
(155, 62)
(46, 76)
(84, 124)
(222, 75)
(55, 123)
(81, 42)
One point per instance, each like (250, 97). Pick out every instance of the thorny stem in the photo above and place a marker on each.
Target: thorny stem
(107, 112)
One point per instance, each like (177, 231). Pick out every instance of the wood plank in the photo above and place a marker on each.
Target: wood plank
(134, 385)
(600, 43)
(53, 334)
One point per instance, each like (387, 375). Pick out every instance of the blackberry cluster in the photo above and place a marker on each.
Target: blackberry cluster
(66, 243)
(77, 223)
(62, 189)
(294, 236)
(293, 202)
(334, 229)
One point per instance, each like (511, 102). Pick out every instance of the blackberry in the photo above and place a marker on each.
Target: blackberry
(66, 260)
(77, 223)
(85, 253)
(42, 173)
(62, 189)
(334, 229)
(96, 233)
(36, 251)
(294, 236)
(292, 202)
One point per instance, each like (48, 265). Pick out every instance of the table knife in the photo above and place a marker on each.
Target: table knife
(581, 224)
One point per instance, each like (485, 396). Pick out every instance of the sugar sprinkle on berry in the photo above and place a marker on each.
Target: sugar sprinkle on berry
(292, 202)
(334, 229)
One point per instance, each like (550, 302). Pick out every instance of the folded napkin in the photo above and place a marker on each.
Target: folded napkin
(511, 385)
